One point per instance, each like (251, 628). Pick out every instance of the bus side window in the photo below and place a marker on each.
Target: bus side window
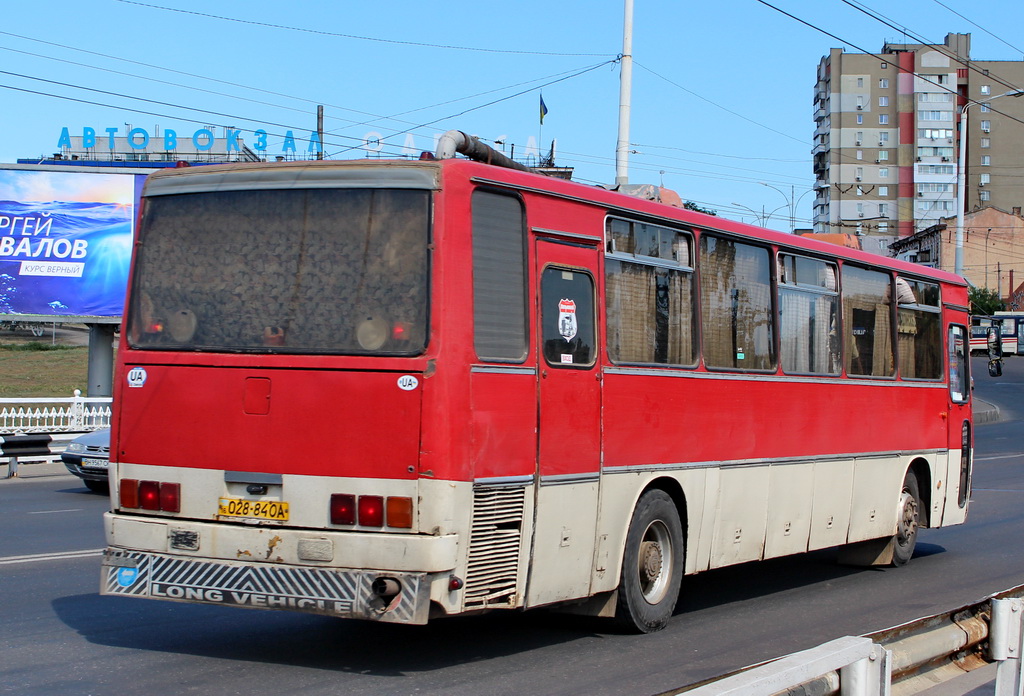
(918, 329)
(808, 311)
(867, 322)
(736, 305)
(649, 294)
(959, 365)
(499, 278)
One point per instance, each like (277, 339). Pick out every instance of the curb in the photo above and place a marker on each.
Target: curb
(34, 469)
(985, 412)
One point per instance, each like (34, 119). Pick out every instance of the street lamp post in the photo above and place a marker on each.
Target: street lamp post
(961, 164)
(791, 200)
(762, 218)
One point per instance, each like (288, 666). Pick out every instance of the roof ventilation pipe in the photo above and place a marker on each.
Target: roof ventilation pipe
(456, 141)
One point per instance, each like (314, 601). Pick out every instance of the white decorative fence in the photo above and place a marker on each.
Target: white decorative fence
(54, 414)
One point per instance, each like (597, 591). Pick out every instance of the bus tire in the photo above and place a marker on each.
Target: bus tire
(652, 565)
(907, 517)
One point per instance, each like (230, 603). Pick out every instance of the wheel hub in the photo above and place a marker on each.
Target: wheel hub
(908, 518)
(650, 561)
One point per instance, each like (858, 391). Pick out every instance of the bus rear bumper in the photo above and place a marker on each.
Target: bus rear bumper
(357, 594)
(364, 575)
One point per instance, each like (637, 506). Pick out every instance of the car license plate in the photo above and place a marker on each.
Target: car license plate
(253, 509)
(96, 463)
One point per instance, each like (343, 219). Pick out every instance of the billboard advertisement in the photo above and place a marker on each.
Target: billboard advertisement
(66, 241)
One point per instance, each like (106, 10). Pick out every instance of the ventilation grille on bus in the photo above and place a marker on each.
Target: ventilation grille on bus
(494, 547)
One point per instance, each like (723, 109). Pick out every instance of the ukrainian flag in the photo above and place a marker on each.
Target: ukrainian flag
(543, 110)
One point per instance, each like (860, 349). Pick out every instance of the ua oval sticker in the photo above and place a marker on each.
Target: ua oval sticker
(408, 382)
(137, 377)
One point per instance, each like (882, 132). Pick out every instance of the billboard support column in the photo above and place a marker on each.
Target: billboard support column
(101, 359)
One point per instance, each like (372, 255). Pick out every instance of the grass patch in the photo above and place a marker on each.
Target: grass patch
(35, 345)
(39, 369)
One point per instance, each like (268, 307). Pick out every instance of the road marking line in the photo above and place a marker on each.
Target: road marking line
(1004, 456)
(58, 556)
(50, 512)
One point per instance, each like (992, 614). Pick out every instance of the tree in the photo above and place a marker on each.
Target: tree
(690, 205)
(984, 301)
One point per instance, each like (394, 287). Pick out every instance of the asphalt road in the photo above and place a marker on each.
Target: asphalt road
(58, 636)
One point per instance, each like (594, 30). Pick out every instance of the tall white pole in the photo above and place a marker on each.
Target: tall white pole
(958, 264)
(625, 89)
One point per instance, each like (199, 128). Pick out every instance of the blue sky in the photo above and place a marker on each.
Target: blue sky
(722, 91)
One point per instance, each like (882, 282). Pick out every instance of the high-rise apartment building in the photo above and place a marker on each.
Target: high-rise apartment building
(886, 139)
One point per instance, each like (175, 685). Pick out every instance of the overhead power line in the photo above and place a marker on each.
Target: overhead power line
(362, 38)
(719, 106)
(866, 52)
(978, 26)
(966, 62)
(349, 123)
(495, 101)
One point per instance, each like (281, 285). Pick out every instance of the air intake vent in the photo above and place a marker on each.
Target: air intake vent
(494, 547)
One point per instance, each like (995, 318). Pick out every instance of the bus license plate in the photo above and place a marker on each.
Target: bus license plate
(253, 509)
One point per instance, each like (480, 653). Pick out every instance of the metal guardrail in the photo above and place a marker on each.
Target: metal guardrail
(17, 446)
(898, 661)
(54, 414)
(41, 427)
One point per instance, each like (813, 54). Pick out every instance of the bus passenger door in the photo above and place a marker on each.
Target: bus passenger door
(961, 431)
(569, 419)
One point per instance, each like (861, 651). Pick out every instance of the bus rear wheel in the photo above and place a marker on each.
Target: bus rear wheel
(652, 565)
(907, 517)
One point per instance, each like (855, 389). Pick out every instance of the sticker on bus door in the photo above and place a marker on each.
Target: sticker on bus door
(567, 325)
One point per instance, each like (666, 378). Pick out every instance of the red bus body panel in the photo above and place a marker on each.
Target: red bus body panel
(312, 422)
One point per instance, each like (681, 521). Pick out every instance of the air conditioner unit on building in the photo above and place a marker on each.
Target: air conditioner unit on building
(857, 143)
(878, 161)
(920, 193)
(860, 214)
(857, 178)
(981, 183)
(945, 159)
(860, 107)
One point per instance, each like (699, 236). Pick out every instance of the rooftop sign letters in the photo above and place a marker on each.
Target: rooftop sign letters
(170, 140)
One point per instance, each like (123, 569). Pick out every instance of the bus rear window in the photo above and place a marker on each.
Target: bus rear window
(297, 271)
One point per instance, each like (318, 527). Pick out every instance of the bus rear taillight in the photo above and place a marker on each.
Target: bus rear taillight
(399, 513)
(371, 511)
(129, 493)
(343, 509)
(150, 495)
(170, 497)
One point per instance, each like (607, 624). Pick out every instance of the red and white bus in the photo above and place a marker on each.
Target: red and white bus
(398, 390)
(1011, 328)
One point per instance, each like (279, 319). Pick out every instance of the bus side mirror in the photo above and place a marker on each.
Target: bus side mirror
(995, 345)
(995, 368)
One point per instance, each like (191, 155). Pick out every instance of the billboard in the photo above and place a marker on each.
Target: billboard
(66, 241)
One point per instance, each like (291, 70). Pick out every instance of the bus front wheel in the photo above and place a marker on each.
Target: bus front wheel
(652, 564)
(908, 514)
